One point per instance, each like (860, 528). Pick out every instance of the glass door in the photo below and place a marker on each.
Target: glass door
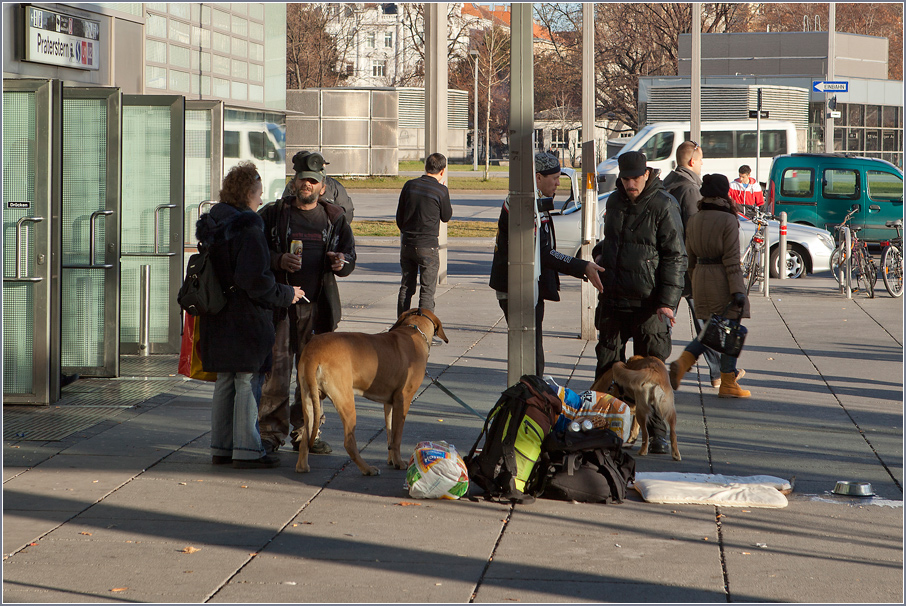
(32, 161)
(90, 253)
(153, 211)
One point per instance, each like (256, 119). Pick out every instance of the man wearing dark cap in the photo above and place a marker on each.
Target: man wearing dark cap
(644, 260)
(310, 243)
(547, 177)
(333, 192)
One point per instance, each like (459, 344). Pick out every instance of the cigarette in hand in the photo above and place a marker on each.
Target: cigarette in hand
(306, 299)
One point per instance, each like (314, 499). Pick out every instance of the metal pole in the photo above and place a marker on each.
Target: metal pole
(522, 285)
(758, 138)
(436, 103)
(695, 112)
(475, 54)
(766, 261)
(848, 270)
(782, 247)
(589, 172)
(144, 321)
(828, 121)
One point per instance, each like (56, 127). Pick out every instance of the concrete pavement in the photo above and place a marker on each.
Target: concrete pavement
(131, 510)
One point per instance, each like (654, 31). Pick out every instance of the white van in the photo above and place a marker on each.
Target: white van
(726, 145)
(257, 142)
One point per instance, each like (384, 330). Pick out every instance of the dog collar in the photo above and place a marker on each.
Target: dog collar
(420, 332)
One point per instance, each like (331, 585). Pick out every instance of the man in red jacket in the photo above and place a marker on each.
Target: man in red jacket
(746, 191)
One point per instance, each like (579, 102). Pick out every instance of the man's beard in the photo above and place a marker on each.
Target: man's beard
(306, 200)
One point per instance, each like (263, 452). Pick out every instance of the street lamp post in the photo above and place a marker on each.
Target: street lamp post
(474, 53)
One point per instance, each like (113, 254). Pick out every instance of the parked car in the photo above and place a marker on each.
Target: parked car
(809, 248)
(820, 189)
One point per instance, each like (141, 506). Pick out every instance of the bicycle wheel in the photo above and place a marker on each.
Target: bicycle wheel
(837, 261)
(892, 270)
(749, 268)
(868, 273)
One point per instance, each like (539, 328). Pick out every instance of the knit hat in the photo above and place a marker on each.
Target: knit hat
(546, 164)
(632, 164)
(715, 186)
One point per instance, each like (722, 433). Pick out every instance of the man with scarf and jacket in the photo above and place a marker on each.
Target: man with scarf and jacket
(684, 184)
(644, 261)
(310, 243)
(553, 262)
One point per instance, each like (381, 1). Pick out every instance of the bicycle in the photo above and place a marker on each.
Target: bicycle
(864, 271)
(752, 270)
(892, 261)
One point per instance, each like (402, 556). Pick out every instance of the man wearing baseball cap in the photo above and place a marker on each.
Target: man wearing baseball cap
(311, 243)
(333, 190)
(547, 177)
(644, 260)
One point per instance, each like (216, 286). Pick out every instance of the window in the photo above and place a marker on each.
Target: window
(378, 68)
(658, 147)
(370, 41)
(388, 40)
(856, 114)
(350, 68)
(718, 144)
(855, 139)
(230, 144)
(773, 142)
(559, 137)
(884, 186)
(890, 116)
(872, 115)
(797, 183)
(261, 147)
(841, 184)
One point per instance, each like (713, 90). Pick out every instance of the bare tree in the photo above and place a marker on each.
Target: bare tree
(458, 31)
(312, 55)
(493, 45)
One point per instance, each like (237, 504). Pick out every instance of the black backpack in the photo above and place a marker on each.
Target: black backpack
(589, 467)
(201, 293)
(513, 431)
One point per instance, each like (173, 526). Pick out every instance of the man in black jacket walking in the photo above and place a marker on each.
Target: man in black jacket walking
(684, 184)
(424, 204)
(644, 260)
(553, 262)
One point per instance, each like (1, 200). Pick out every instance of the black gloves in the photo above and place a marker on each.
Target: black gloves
(739, 299)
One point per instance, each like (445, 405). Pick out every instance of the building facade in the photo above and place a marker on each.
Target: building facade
(119, 122)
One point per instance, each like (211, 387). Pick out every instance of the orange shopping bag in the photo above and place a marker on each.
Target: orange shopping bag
(189, 360)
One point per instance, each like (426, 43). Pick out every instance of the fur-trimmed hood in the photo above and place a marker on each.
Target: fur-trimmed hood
(223, 222)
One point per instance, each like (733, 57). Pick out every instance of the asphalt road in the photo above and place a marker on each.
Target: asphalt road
(374, 205)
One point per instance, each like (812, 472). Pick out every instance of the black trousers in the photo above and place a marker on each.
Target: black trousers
(650, 337)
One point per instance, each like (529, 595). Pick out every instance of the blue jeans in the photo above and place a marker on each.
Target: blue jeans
(712, 358)
(421, 262)
(234, 417)
(727, 363)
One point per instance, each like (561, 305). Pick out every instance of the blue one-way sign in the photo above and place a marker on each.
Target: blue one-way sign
(826, 86)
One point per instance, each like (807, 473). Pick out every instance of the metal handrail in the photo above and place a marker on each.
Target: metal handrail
(157, 229)
(19, 277)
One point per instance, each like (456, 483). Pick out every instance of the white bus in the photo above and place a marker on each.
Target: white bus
(726, 145)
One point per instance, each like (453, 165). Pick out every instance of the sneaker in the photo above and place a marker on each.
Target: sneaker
(658, 445)
(265, 462)
(221, 460)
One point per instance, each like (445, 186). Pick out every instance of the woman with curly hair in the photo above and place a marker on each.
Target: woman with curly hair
(236, 343)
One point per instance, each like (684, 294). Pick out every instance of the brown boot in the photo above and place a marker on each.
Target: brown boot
(740, 373)
(729, 388)
(679, 367)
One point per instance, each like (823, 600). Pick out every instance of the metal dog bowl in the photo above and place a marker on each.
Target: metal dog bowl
(854, 489)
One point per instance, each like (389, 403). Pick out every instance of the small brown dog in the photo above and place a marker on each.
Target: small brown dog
(644, 383)
(387, 368)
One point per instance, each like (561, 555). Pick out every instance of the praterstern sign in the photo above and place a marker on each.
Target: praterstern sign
(58, 39)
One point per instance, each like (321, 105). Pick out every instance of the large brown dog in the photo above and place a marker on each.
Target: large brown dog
(644, 383)
(387, 368)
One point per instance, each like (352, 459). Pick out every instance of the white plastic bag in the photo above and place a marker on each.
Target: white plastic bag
(436, 471)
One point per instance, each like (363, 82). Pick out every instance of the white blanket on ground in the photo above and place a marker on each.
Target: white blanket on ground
(712, 489)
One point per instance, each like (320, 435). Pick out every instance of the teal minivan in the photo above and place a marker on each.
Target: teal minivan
(820, 189)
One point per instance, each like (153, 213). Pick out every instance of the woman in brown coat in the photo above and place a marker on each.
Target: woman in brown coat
(712, 246)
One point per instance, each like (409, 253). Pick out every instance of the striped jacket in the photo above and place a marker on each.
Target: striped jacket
(748, 194)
